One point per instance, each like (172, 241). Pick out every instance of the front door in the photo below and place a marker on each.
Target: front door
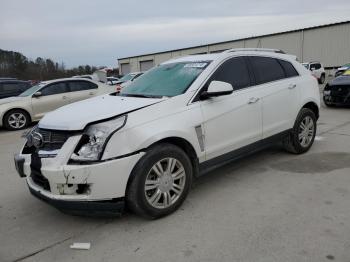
(52, 97)
(232, 121)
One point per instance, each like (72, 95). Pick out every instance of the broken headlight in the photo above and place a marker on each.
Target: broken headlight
(94, 139)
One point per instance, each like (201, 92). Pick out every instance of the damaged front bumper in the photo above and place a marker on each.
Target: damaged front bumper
(90, 189)
(79, 207)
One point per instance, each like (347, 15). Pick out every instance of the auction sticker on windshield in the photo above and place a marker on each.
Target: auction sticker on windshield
(196, 65)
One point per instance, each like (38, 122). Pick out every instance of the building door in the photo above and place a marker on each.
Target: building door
(146, 65)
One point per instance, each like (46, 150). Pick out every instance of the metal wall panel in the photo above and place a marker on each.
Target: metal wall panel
(328, 44)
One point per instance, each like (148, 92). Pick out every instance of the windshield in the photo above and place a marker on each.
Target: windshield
(166, 80)
(32, 90)
(346, 65)
(127, 77)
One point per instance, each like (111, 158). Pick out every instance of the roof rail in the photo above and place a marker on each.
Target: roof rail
(254, 49)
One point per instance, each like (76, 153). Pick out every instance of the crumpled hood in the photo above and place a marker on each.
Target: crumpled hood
(77, 115)
(10, 99)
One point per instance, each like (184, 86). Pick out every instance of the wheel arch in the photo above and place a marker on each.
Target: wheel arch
(313, 107)
(180, 142)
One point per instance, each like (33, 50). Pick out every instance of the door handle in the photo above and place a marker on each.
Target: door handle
(253, 100)
(292, 86)
(91, 93)
(64, 97)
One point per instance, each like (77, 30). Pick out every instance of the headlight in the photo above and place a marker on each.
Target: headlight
(95, 138)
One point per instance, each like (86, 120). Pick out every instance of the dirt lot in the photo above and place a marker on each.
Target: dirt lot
(271, 206)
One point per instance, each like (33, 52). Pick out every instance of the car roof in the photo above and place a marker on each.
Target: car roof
(65, 79)
(231, 53)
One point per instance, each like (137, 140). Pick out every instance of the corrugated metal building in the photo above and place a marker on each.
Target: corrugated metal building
(329, 44)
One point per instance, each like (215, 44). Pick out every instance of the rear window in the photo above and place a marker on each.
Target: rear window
(266, 69)
(288, 68)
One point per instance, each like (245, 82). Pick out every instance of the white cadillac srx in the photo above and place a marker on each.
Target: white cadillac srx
(141, 148)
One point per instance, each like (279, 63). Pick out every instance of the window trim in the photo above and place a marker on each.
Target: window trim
(195, 97)
(60, 82)
(85, 81)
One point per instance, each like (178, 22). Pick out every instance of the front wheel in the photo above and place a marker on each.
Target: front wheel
(160, 181)
(16, 120)
(303, 133)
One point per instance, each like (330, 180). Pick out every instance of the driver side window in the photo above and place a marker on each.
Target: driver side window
(233, 71)
(54, 89)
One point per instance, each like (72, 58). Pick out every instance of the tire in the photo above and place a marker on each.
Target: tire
(16, 119)
(298, 145)
(322, 79)
(327, 104)
(155, 202)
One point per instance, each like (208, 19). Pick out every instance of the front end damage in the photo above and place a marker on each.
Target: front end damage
(86, 189)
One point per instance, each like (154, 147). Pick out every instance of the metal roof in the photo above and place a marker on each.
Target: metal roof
(240, 39)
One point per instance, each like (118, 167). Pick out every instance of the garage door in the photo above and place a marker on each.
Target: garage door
(125, 68)
(145, 65)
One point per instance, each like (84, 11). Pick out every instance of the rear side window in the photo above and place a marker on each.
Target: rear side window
(233, 71)
(266, 69)
(54, 89)
(81, 86)
(9, 87)
(289, 69)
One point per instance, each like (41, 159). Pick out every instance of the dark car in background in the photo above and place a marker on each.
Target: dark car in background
(337, 91)
(12, 87)
(342, 69)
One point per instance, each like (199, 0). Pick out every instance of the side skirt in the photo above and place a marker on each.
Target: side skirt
(219, 161)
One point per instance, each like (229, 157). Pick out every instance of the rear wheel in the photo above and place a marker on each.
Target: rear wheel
(16, 119)
(160, 181)
(303, 134)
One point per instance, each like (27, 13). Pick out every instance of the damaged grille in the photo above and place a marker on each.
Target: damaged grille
(44, 139)
(53, 139)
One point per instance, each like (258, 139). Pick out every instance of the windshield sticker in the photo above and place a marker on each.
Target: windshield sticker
(196, 65)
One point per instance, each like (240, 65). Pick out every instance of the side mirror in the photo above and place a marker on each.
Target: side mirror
(37, 94)
(217, 88)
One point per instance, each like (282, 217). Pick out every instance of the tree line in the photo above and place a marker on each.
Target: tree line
(14, 64)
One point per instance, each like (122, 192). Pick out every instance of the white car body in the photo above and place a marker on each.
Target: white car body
(37, 107)
(317, 70)
(212, 128)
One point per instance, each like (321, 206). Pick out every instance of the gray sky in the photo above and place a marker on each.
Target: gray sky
(98, 32)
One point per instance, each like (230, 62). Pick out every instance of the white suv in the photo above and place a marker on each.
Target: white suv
(142, 148)
(317, 70)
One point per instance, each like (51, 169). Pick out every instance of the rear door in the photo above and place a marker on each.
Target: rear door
(80, 90)
(52, 97)
(232, 121)
(279, 83)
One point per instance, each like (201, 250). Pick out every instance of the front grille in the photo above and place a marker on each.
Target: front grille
(340, 90)
(52, 137)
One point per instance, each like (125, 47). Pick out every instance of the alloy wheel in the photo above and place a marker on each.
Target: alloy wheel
(17, 120)
(165, 183)
(306, 131)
